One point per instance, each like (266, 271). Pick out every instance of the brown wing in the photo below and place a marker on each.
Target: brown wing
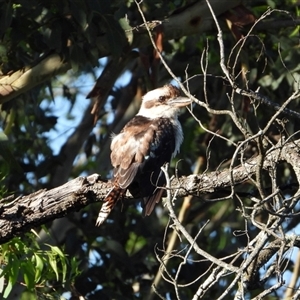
(129, 149)
(138, 153)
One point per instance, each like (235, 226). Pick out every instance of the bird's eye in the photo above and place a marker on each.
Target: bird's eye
(161, 98)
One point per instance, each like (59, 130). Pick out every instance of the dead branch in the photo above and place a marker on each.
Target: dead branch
(26, 212)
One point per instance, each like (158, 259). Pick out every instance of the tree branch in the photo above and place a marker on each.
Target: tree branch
(24, 80)
(26, 212)
(35, 209)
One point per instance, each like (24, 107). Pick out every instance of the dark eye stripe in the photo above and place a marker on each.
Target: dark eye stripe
(162, 98)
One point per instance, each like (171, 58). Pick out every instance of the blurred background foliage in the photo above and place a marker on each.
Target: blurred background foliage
(48, 135)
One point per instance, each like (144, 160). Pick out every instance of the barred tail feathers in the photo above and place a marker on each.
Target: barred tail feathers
(109, 202)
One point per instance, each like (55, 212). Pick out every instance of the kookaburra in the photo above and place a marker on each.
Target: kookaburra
(143, 146)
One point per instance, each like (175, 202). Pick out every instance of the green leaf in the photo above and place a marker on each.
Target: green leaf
(53, 265)
(124, 23)
(2, 284)
(13, 265)
(8, 289)
(74, 267)
(39, 265)
(28, 273)
(57, 251)
(12, 271)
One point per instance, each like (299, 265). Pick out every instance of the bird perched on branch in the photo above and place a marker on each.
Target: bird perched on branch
(143, 146)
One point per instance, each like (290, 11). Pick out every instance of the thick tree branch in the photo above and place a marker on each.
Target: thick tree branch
(35, 209)
(26, 212)
(24, 80)
(211, 182)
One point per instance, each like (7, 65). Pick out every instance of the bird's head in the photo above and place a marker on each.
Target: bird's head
(163, 102)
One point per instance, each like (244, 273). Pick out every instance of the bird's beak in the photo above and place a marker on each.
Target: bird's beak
(180, 101)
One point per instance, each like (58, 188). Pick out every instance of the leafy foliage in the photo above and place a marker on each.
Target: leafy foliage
(41, 271)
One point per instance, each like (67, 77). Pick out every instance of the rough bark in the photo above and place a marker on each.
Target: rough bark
(24, 213)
